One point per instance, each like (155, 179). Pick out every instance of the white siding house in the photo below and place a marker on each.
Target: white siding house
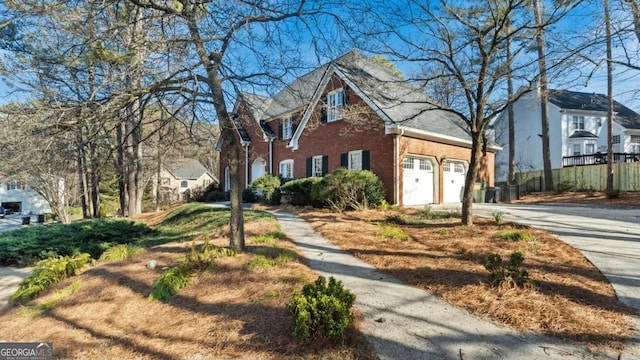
(19, 198)
(577, 126)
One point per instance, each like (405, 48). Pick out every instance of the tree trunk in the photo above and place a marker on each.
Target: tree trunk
(472, 175)
(607, 21)
(544, 98)
(511, 178)
(120, 170)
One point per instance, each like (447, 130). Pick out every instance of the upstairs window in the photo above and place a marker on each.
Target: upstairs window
(166, 181)
(576, 149)
(616, 139)
(589, 149)
(635, 139)
(15, 185)
(184, 184)
(578, 122)
(287, 128)
(335, 102)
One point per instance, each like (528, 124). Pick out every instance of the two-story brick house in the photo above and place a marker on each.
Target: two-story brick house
(577, 131)
(356, 114)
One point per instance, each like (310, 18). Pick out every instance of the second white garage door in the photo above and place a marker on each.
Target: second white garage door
(453, 175)
(417, 181)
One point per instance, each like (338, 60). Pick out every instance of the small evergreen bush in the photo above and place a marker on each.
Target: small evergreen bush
(216, 195)
(248, 195)
(170, 282)
(393, 232)
(344, 189)
(120, 252)
(564, 187)
(498, 216)
(511, 272)
(269, 186)
(49, 272)
(514, 235)
(321, 310)
(301, 192)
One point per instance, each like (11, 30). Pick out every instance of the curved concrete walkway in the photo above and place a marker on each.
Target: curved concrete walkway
(403, 322)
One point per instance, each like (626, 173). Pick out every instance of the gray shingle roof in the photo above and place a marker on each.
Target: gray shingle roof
(402, 103)
(187, 169)
(574, 100)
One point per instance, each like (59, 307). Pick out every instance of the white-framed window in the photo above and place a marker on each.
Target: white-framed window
(615, 139)
(184, 184)
(576, 149)
(316, 163)
(589, 149)
(355, 160)
(287, 128)
(286, 169)
(599, 121)
(15, 185)
(635, 144)
(166, 181)
(635, 139)
(335, 101)
(578, 122)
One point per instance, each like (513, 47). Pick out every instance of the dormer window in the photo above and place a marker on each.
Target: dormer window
(335, 102)
(287, 128)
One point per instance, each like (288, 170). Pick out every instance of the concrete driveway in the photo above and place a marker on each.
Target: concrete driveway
(10, 278)
(608, 237)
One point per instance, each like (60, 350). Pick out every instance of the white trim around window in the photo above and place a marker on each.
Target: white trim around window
(287, 128)
(355, 160)
(316, 166)
(286, 169)
(335, 102)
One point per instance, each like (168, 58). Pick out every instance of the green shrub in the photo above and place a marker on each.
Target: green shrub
(301, 192)
(498, 216)
(344, 189)
(270, 257)
(511, 272)
(216, 195)
(393, 232)
(514, 235)
(564, 187)
(321, 310)
(120, 252)
(266, 238)
(269, 186)
(50, 304)
(248, 195)
(49, 272)
(170, 282)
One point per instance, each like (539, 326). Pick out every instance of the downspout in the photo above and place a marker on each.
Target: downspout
(270, 156)
(246, 166)
(397, 161)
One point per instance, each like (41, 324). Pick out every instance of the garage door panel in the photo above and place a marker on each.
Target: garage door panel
(417, 181)
(453, 177)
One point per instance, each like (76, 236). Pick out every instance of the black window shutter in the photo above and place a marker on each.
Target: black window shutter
(280, 130)
(344, 160)
(309, 167)
(294, 128)
(365, 160)
(346, 95)
(325, 165)
(323, 115)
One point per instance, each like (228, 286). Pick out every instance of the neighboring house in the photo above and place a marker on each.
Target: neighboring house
(19, 198)
(184, 177)
(577, 132)
(354, 113)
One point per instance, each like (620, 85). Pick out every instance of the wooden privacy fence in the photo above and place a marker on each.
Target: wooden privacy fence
(626, 177)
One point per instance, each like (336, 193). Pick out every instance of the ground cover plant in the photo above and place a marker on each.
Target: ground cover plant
(565, 295)
(226, 311)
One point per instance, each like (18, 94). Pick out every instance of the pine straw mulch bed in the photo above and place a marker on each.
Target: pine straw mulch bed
(625, 199)
(229, 312)
(569, 299)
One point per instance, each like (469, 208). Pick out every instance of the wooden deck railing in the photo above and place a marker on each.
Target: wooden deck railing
(595, 159)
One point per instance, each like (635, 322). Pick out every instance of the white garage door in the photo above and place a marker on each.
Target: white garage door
(453, 174)
(417, 181)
